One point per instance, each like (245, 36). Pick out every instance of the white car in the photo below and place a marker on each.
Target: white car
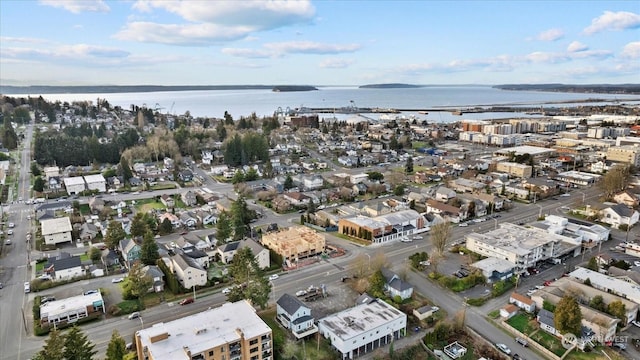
(12, 225)
(503, 348)
(117, 280)
(636, 323)
(464, 224)
(273, 277)
(301, 293)
(9, 232)
(27, 287)
(226, 291)
(636, 263)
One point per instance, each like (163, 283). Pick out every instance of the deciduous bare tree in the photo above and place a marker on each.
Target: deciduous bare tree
(440, 234)
(615, 180)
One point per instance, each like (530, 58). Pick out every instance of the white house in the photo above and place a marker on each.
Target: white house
(56, 230)
(295, 316)
(207, 157)
(523, 302)
(313, 182)
(358, 178)
(444, 194)
(619, 214)
(260, 253)
(369, 325)
(188, 271)
(396, 286)
(65, 268)
(96, 183)
(74, 185)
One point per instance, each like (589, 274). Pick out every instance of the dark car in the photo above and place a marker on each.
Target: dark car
(186, 301)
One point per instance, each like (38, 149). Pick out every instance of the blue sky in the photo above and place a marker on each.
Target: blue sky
(87, 42)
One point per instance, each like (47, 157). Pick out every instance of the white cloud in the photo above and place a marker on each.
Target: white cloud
(545, 57)
(550, 35)
(577, 46)
(208, 22)
(280, 49)
(247, 53)
(310, 47)
(631, 50)
(621, 20)
(24, 40)
(78, 6)
(184, 34)
(336, 63)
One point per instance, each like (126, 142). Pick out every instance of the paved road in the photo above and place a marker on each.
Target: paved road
(13, 265)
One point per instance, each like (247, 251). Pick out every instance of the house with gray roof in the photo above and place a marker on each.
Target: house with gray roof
(545, 319)
(156, 275)
(395, 285)
(130, 251)
(188, 271)
(618, 215)
(65, 267)
(294, 315)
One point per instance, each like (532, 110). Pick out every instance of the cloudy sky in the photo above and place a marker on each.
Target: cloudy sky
(192, 42)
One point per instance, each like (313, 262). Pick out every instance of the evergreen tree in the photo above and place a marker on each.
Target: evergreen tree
(54, 347)
(38, 184)
(252, 284)
(117, 347)
(125, 169)
(288, 182)
(137, 283)
(408, 167)
(77, 346)
(139, 225)
(165, 227)
(115, 233)
(567, 316)
(224, 227)
(149, 249)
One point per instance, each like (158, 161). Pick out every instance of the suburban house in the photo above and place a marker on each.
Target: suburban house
(297, 198)
(424, 312)
(545, 320)
(444, 194)
(188, 271)
(618, 215)
(167, 200)
(185, 175)
(452, 213)
(260, 253)
(294, 315)
(188, 240)
(64, 267)
(174, 220)
(88, 231)
(156, 275)
(199, 256)
(188, 220)
(130, 251)
(626, 198)
(508, 311)
(523, 302)
(189, 198)
(395, 285)
(57, 230)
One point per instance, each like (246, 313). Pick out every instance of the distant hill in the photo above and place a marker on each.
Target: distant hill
(43, 89)
(285, 88)
(589, 88)
(389, 86)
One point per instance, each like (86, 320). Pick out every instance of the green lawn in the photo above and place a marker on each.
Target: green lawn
(596, 354)
(520, 322)
(550, 342)
(84, 257)
(146, 205)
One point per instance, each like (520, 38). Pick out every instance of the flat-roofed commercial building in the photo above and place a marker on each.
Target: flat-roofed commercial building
(361, 329)
(515, 169)
(56, 230)
(71, 309)
(381, 229)
(522, 246)
(295, 243)
(629, 154)
(96, 182)
(232, 331)
(74, 185)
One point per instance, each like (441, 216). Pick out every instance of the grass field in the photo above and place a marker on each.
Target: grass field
(520, 322)
(550, 342)
(146, 205)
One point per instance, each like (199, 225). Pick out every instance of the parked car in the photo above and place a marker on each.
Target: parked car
(117, 280)
(9, 232)
(636, 323)
(273, 277)
(522, 341)
(27, 287)
(186, 301)
(226, 291)
(134, 315)
(89, 292)
(620, 346)
(301, 293)
(12, 225)
(464, 224)
(503, 348)
(7, 242)
(636, 263)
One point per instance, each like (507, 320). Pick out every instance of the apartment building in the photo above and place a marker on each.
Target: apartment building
(515, 169)
(232, 331)
(629, 154)
(522, 246)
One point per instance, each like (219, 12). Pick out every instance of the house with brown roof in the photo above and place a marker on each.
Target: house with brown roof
(448, 212)
(297, 198)
(523, 302)
(508, 311)
(626, 198)
(167, 200)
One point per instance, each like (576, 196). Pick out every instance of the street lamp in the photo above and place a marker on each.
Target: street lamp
(369, 258)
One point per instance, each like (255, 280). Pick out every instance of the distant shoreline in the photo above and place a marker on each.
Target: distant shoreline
(623, 89)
